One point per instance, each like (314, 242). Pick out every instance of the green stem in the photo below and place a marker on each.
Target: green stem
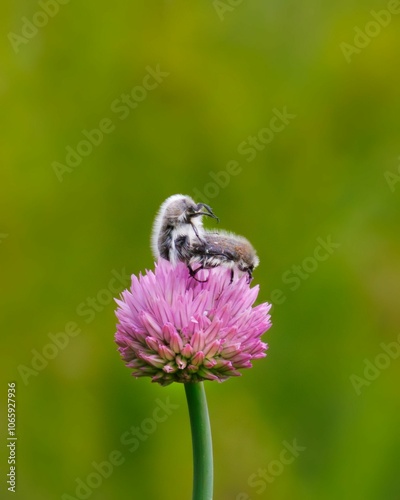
(201, 440)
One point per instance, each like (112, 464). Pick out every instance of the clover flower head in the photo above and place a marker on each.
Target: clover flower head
(174, 328)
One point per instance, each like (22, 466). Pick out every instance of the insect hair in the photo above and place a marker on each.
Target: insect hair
(226, 249)
(177, 226)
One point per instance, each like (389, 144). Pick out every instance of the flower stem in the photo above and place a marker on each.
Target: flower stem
(201, 440)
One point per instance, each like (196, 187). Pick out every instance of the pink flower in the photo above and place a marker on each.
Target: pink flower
(173, 328)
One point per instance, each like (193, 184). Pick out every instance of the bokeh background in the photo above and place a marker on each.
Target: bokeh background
(224, 69)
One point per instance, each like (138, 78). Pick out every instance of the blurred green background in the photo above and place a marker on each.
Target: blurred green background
(219, 73)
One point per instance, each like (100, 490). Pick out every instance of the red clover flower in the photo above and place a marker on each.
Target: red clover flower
(174, 328)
